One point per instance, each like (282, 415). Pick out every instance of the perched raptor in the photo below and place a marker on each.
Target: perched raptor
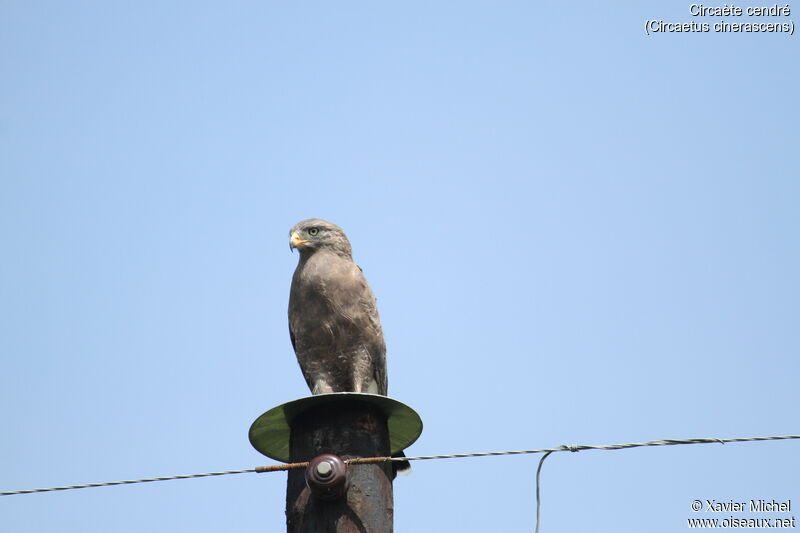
(333, 320)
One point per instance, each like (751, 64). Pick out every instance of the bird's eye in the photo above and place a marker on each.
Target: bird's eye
(313, 231)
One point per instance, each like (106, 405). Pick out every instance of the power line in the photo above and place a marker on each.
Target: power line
(127, 482)
(581, 447)
(373, 460)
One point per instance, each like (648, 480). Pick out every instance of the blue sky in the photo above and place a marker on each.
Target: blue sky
(576, 233)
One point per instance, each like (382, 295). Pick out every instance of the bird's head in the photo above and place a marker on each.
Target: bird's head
(314, 234)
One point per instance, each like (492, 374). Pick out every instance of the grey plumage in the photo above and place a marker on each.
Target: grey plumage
(333, 318)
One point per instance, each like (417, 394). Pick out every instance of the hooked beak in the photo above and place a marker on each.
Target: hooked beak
(295, 241)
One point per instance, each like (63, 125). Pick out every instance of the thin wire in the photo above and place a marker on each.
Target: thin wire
(259, 469)
(373, 460)
(127, 482)
(581, 447)
(538, 496)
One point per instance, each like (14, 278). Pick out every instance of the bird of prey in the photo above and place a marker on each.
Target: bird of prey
(333, 320)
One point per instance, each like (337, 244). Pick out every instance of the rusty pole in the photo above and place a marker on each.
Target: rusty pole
(348, 429)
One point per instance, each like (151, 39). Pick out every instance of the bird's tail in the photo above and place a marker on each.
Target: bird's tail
(401, 467)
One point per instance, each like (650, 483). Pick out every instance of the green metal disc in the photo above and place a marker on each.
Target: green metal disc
(269, 434)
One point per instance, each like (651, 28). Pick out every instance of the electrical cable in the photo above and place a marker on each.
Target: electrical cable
(374, 460)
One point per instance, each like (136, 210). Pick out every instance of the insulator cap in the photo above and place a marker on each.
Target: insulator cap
(326, 476)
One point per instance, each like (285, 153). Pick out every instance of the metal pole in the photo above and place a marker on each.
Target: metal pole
(348, 429)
